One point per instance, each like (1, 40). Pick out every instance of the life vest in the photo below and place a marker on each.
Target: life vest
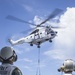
(7, 69)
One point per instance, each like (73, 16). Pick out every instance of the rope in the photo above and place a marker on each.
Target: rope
(38, 66)
(61, 73)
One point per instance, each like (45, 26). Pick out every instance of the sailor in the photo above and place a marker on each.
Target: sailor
(68, 66)
(7, 57)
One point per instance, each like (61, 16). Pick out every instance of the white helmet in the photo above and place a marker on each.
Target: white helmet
(68, 63)
(7, 54)
(68, 66)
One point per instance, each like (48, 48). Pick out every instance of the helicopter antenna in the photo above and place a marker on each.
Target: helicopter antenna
(38, 72)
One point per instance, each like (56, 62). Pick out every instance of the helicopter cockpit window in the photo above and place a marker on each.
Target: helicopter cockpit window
(35, 31)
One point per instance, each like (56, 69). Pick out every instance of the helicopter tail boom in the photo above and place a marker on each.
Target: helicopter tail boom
(11, 42)
(15, 42)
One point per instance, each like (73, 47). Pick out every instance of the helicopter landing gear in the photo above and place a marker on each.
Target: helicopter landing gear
(38, 46)
(31, 44)
(50, 40)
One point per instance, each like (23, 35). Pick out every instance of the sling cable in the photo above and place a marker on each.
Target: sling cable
(38, 72)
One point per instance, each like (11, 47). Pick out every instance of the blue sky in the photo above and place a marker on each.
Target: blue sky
(52, 54)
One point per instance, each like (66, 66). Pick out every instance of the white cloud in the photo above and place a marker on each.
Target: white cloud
(65, 41)
(18, 51)
(28, 68)
(42, 65)
(60, 54)
(26, 60)
(66, 36)
(37, 20)
(23, 48)
(27, 49)
(28, 8)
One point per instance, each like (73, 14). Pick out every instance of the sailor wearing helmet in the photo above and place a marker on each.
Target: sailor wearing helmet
(7, 57)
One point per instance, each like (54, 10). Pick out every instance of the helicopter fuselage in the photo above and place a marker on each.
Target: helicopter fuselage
(37, 36)
(40, 34)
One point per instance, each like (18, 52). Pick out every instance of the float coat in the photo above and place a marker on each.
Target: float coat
(8, 69)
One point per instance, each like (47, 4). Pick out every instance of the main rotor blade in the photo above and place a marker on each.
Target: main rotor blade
(57, 27)
(17, 19)
(27, 31)
(52, 15)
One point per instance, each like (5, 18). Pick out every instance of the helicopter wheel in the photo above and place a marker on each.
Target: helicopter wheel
(31, 44)
(38, 46)
(50, 40)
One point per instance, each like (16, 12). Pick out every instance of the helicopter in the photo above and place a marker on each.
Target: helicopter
(39, 34)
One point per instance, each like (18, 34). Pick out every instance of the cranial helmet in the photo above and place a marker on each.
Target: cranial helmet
(8, 54)
(69, 65)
